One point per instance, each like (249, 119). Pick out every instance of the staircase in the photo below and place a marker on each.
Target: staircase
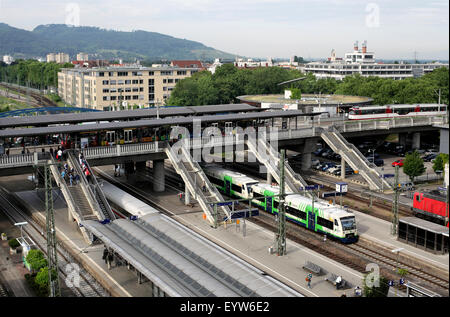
(355, 159)
(194, 179)
(268, 156)
(91, 190)
(77, 207)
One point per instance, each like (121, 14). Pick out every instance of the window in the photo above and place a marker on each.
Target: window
(181, 72)
(113, 90)
(236, 188)
(135, 89)
(127, 97)
(170, 81)
(141, 81)
(112, 82)
(151, 97)
(151, 82)
(105, 82)
(127, 82)
(122, 73)
(110, 74)
(127, 89)
(166, 73)
(106, 90)
(113, 97)
(101, 74)
(296, 213)
(217, 181)
(151, 73)
(121, 82)
(105, 98)
(325, 222)
(135, 81)
(141, 89)
(135, 97)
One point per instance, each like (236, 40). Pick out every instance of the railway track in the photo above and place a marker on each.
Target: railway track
(355, 256)
(88, 286)
(39, 100)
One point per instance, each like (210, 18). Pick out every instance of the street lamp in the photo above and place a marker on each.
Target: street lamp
(396, 267)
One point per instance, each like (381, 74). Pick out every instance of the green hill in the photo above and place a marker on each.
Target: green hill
(101, 43)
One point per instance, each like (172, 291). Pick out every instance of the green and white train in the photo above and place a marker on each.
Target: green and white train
(325, 218)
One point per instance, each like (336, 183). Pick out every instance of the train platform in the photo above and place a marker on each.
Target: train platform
(379, 230)
(120, 281)
(251, 243)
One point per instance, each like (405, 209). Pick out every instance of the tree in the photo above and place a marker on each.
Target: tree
(413, 165)
(374, 291)
(36, 259)
(439, 162)
(13, 243)
(296, 93)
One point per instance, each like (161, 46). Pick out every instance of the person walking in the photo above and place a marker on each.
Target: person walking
(308, 279)
(71, 179)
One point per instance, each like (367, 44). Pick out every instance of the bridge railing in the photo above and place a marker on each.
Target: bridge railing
(121, 150)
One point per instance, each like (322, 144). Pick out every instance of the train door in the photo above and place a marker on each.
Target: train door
(128, 136)
(311, 220)
(227, 187)
(111, 137)
(269, 204)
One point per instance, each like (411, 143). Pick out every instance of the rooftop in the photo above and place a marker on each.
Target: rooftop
(307, 99)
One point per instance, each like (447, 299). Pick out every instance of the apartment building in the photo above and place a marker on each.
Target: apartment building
(114, 88)
(82, 56)
(60, 58)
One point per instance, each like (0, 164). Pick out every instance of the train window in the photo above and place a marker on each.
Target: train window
(217, 181)
(236, 188)
(258, 196)
(324, 222)
(336, 224)
(275, 204)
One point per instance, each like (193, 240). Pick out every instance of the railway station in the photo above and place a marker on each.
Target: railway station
(137, 139)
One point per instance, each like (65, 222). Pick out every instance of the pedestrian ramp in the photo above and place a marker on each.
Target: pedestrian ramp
(353, 157)
(198, 184)
(267, 155)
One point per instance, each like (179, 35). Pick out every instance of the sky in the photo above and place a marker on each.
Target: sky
(261, 28)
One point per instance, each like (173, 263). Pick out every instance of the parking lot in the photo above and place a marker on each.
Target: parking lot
(330, 163)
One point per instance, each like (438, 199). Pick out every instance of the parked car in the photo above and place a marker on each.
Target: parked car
(296, 157)
(377, 162)
(326, 153)
(333, 169)
(319, 151)
(398, 163)
(348, 171)
(328, 165)
(315, 162)
(429, 157)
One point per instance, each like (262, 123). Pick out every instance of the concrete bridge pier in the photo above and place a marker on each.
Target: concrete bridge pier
(158, 176)
(342, 167)
(416, 140)
(307, 149)
(402, 139)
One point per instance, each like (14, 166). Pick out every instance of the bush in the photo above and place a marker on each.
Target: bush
(13, 243)
(36, 259)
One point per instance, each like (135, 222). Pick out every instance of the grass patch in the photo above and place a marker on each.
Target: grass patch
(8, 104)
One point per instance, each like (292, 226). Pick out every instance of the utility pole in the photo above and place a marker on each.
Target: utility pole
(53, 279)
(281, 235)
(395, 204)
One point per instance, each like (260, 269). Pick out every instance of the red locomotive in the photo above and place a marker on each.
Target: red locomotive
(430, 206)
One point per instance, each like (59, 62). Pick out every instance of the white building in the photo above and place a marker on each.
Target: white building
(8, 59)
(250, 63)
(214, 65)
(82, 56)
(362, 62)
(60, 58)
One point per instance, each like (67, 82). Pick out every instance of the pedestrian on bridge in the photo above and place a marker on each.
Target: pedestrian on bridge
(71, 179)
